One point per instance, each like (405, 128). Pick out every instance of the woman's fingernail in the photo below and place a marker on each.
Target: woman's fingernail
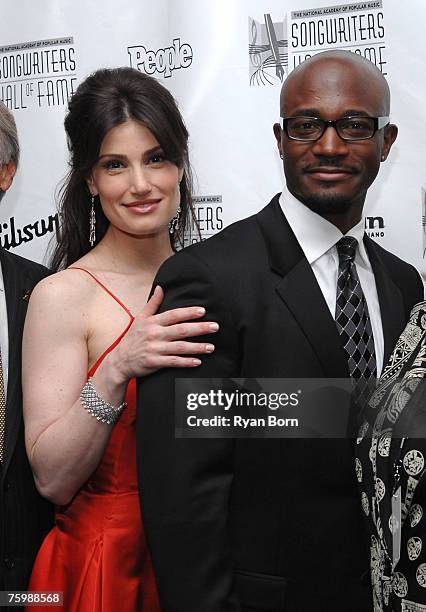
(201, 311)
(213, 326)
(209, 348)
(196, 362)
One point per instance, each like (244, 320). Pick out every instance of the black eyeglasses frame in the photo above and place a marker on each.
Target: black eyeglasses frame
(379, 123)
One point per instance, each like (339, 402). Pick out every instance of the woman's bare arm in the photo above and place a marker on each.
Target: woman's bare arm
(64, 442)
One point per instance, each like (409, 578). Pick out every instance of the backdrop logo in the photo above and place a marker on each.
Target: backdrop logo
(161, 61)
(12, 236)
(209, 216)
(357, 27)
(375, 227)
(268, 57)
(40, 73)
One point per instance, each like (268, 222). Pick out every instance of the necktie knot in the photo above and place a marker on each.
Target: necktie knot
(346, 248)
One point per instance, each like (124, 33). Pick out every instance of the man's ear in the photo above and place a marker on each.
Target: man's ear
(7, 172)
(278, 137)
(389, 137)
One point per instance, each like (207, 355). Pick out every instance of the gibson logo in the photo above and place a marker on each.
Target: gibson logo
(12, 236)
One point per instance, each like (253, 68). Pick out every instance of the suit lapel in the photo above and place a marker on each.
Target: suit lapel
(14, 285)
(390, 299)
(299, 290)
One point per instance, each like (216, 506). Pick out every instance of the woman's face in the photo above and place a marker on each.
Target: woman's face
(138, 188)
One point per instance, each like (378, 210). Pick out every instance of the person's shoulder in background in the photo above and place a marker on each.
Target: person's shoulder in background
(34, 270)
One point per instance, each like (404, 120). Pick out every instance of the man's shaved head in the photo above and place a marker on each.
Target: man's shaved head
(363, 69)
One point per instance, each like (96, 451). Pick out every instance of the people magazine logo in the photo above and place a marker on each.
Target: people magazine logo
(162, 61)
(277, 47)
(38, 74)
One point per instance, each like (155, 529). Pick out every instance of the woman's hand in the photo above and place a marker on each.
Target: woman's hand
(157, 341)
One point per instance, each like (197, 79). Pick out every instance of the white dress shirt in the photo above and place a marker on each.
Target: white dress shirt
(318, 238)
(4, 334)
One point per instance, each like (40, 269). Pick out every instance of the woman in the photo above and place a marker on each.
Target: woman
(390, 468)
(125, 205)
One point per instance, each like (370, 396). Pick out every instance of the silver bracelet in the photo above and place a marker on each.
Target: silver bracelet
(98, 407)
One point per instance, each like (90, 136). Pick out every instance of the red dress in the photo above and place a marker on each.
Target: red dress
(97, 552)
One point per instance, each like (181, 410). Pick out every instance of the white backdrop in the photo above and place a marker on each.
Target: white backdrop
(224, 61)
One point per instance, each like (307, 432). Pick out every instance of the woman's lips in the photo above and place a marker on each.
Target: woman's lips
(142, 206)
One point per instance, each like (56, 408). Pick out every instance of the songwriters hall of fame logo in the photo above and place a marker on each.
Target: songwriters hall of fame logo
(207, 219)
(268, 51)
(38, 74)
(276, 48)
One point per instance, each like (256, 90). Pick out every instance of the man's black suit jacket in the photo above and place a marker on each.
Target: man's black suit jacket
(25, 516)
(257, 524)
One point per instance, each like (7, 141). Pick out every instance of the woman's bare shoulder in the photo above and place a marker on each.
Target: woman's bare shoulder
(68, 287)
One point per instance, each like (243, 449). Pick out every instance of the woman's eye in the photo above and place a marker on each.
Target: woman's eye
(113, 164)
(156, 158)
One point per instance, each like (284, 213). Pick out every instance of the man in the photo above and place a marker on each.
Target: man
(25, 517)
(276, 524)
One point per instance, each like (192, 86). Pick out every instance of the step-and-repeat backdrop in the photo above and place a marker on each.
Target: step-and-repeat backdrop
(225, 62)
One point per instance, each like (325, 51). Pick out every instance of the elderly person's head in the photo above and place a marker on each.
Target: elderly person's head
(9, 149)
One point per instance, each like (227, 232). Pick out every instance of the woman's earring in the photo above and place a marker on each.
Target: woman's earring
(92, 223)
(174, 222)
(282, 156)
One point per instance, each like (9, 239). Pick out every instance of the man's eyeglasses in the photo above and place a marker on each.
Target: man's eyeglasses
(348, 128)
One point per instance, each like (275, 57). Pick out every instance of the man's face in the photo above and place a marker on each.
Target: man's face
(331, 175)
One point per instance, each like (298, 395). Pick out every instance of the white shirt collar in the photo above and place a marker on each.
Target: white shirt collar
(315, 234)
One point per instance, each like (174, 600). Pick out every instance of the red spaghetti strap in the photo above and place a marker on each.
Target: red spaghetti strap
(105, 288)
(108, 350)
(117, 340)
